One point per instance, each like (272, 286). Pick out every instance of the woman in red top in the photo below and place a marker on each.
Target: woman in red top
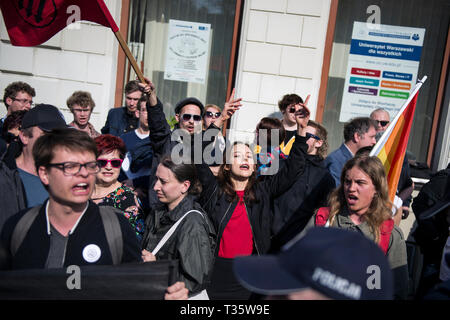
(240, 205)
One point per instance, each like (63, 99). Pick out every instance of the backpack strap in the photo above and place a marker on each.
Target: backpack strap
(385, 229)
(385, 234)
(113, 232)
(22, 227)
(322, 217)
(169, 233)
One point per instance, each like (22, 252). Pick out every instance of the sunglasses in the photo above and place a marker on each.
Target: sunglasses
(188, 116)
(210, 114)
(115, 163)
(382, 123)
(310, 135)
(301, 112)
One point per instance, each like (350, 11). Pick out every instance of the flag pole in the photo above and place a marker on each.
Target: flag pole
(386, 133)
(130, 56)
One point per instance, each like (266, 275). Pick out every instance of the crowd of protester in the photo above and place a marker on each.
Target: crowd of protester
(277, 219)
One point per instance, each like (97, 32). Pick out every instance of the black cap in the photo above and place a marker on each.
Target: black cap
(44, 116)
(332, 261)
(187, 101)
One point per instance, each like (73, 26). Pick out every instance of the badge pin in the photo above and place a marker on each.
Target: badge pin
(91, 253)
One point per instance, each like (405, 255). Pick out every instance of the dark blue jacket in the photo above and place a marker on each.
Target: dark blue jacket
(335, 162)
(117, 122)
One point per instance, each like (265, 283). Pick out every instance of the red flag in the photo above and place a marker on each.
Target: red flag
(32, 22)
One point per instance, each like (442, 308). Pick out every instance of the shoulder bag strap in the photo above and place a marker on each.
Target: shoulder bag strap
(385, 234)
(171, 231)
(113, 232)
(22, 227)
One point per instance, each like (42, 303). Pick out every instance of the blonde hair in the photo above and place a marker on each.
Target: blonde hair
(380, 207)
(322, 133)
(213, 106)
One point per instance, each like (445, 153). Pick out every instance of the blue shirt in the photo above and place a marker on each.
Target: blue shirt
(34, 189)
(138, 160)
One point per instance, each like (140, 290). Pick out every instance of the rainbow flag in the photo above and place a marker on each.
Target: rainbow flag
(391, 147)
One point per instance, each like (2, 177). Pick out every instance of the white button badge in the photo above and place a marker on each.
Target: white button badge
(91, 253)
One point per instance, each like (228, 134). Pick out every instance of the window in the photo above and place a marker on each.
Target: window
(185, 46)
(431, 15)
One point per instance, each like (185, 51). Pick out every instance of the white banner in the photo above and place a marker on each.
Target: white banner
(187, 51)
(381, 70)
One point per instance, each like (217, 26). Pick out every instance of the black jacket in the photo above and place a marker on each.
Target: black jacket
(162, 144)
(33, 252)
(260, 213)
(294, 208)
(192, 243)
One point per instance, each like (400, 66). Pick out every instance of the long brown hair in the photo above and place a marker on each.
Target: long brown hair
(225, 181)
(380, 207)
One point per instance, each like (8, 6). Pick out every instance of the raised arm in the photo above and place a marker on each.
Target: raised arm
(231, 106)
(157, 123)
(281, 181)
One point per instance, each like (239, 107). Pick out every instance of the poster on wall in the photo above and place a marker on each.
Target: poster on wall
(187, 51)
(382, 68)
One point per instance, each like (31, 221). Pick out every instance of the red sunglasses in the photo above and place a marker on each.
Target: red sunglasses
(115, 163)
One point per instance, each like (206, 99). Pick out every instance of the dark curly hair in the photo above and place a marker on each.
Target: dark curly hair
(15, 87)
(358, 125)
(289, 99)
(81, 98)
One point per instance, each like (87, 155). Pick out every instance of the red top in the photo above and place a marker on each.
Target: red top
(237, 238)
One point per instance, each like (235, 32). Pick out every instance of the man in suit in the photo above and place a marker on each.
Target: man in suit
(358, 133)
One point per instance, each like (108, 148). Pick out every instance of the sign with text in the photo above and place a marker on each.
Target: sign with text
(187, 51)
(381, 70)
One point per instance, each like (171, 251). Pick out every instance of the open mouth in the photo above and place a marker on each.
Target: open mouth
(352, 199)
(81, 187)
(244, 167)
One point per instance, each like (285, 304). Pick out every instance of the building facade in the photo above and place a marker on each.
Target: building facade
(262, 48)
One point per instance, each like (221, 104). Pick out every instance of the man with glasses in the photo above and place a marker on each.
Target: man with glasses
(28, 187)
(382, 119)
(188, 113)
(18, 96)
(358, 133)
(68, 229)
(288, 105)
(81, 104)
(122, 120)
